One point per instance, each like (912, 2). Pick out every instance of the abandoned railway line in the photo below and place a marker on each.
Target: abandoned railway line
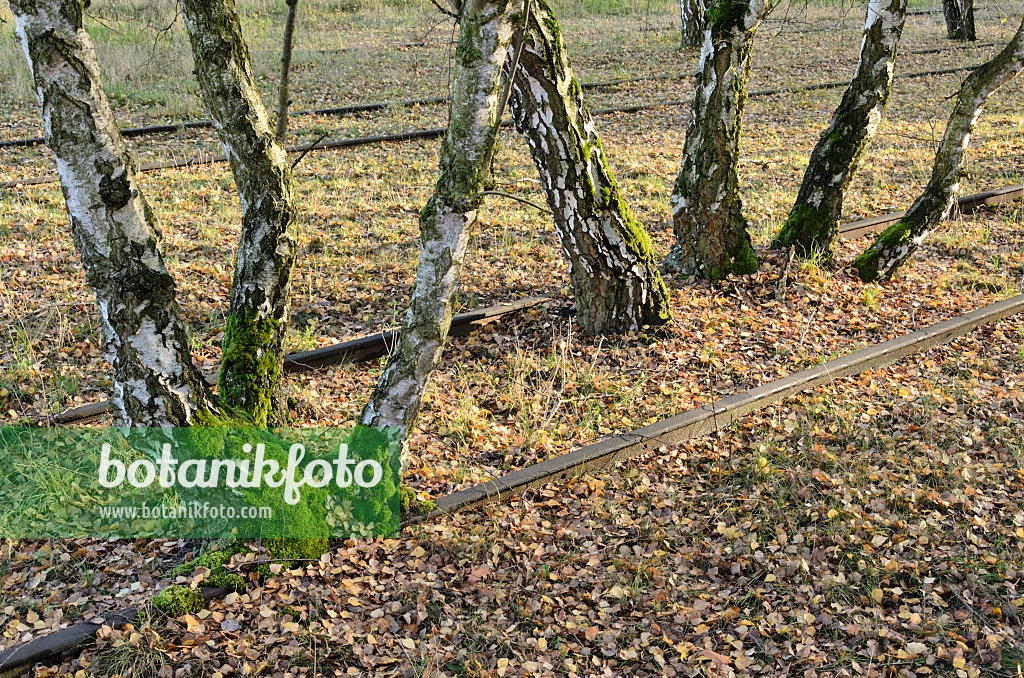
(598, 456)
(434, 133)
(375, 345)
(373, 107)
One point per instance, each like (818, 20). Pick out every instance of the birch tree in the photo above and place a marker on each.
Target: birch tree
(612, 268)
(155, 382)
(486, 29)
(959, 16)
(813, 223)
(691, 14)
(707, 211)
(253, 352)
(898, 242)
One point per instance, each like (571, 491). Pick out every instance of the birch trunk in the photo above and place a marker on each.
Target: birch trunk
(253, 354)
(286, 66)
(951, 13)
(898, 242)
(612, 268)
(691, 14)
(813, 223)
(445, 223)
(707, 212)
(155, 381)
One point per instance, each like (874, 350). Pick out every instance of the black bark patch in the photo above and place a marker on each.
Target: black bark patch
(115, 192)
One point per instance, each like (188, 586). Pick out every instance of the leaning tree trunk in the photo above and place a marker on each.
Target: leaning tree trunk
(707, 212)
(155, 381)
(446, 220)
(612, 268)
(691, 14)
(813, 223)
(898, 242)
(253, 354)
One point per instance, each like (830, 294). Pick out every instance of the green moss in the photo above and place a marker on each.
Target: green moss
(809, 230)
(411, 505)
(406, 495)
(251, 368)
(424, 507)
(215, 561)
(725, 15)
(867, 265)
(743, 259)
(294, 549)
(898, 235)
(177, 600)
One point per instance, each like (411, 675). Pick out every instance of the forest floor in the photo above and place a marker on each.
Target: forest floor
(873, 527)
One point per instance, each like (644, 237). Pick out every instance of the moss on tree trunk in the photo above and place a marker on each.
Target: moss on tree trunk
(898, 242)
(445, 222)
(155, 382)
(612, 269)
(707, 211)
(257, 318)
(813, 223)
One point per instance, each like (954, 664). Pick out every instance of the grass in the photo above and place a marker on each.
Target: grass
(528, 387)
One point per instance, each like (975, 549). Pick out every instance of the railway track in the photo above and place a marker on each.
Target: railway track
(596, 457)
(352, 109)
(437, 132)
(378, 344)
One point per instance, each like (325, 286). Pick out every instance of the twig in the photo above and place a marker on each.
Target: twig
(450, 13)
(286, 65)
(508, 195)
(507, 90)
(309, 148)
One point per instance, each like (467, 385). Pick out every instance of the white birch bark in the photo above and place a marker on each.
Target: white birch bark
(813, 223)
(707, 212)
(253, 355)
(612, 269)
(898, 242)
(155, 382)
(486, 28)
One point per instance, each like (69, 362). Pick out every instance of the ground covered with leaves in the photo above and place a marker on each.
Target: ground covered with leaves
(873, 527)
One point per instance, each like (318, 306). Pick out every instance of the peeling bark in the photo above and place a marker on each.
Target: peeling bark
(691, 14)
(445, 223)
(707, 212)
(253, 354)
(612, 268)
(898, 242)
(813, 223)
(155, 381)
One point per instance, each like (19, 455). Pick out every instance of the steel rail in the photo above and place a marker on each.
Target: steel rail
(598, 456)
(349, 109)
(354, 350)
(440, 131)
(717, 415)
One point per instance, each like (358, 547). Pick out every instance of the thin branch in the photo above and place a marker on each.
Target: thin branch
(503, 101)
(508, 195)
(450, 13)
(309, 148)
(286, 65)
